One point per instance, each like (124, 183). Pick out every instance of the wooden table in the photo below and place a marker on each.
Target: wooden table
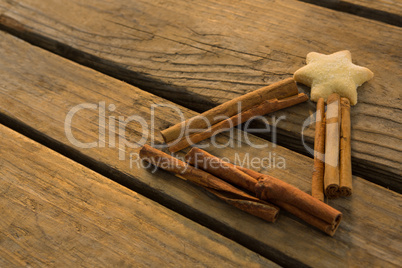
(65, 205)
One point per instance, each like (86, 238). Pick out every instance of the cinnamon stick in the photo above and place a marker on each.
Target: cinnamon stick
(299, 203)
(214, 165)
(327, 227)
(221, 189)
(279, 90)
(274, 190)
(317, 183)
(265, 107)
(331, 173)
(345, 174)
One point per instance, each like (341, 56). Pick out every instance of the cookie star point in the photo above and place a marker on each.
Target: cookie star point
(326, 74)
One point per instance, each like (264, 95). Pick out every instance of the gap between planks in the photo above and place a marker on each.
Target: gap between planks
(385, 11)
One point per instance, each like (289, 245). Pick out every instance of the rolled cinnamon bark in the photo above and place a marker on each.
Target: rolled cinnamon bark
(333, 217)
(221, 189)
(279, 90)
(331, 173)
(317, 183)
(345, 174)
(214, 165)
(265, 107)
(272, 189)
(301, 204)
(324, 226)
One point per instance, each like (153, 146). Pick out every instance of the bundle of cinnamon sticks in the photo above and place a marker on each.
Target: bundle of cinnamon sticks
(232, 113)
(332, 174)
(259, 194)
(216, 186)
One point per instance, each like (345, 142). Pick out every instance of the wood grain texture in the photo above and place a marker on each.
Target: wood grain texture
(203, 53)
(388, 11)
(35, 98)
(58, 213)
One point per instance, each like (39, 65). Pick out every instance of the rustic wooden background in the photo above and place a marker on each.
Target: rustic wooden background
(202, 53)
(195, 54)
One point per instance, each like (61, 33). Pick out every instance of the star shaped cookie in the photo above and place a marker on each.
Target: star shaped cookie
(335, 73)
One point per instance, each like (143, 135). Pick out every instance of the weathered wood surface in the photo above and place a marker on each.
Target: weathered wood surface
(202, 53)
(388, 11)
(58, 213)
(36, 98)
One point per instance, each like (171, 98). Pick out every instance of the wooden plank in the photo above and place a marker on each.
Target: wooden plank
(36, 98)
(388, 11)
(56, 212)
(202, 53)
